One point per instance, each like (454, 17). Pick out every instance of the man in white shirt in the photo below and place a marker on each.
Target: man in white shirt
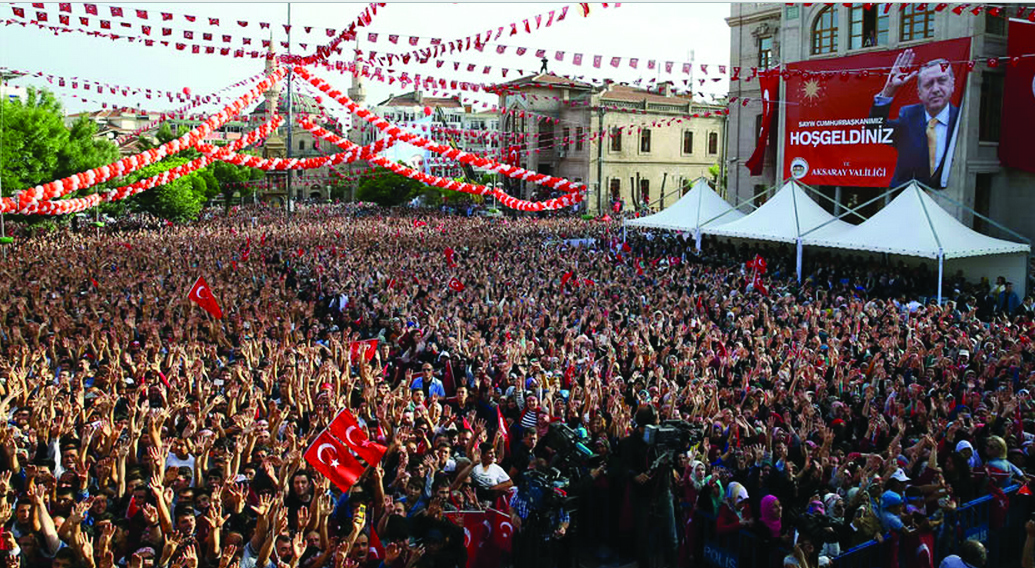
(490, 478)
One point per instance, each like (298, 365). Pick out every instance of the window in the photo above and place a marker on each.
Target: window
(765, 52)
(824, 31)
(869, 26)
(645, 191)
(758, 198)
(645, 141)
(713, 143)
(990, 113)
(301, 144)
(578, 138)
(546, 137)
(616, 139)
(995, 25)
(917, 23)
(616, 189)
(688, 142)
(567, 136)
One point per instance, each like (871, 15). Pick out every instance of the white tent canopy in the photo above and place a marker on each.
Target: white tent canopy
(786, 217)
(913, 224)
(700, 207)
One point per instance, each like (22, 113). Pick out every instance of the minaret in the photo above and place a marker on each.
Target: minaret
(272, 95)
(274, 146)
(358, 94)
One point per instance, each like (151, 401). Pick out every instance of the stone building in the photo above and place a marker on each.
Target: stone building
(767, 35)
(636, 147)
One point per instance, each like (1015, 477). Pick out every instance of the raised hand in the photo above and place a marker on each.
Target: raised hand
(227, 556)
(901, 73)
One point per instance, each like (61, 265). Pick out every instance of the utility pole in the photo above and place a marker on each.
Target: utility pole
(290, 124)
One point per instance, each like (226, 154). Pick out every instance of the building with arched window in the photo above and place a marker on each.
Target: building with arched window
(771, 35)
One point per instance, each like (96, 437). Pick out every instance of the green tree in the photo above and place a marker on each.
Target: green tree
(34, 137)
(178, 200)
(388, 189)
(83, 150)
(715, 170)
(165, 133)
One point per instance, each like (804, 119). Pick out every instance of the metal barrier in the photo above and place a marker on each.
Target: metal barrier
(971, 520)
(743, 549)
(866, 555)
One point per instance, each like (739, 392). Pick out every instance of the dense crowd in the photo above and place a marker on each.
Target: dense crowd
(144, 433)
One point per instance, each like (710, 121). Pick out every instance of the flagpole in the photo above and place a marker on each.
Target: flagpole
(290, 125)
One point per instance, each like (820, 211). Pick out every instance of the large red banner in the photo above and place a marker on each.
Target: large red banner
(1018, 120)
(895, 123)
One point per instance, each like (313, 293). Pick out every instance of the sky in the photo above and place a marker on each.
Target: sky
(661, 31)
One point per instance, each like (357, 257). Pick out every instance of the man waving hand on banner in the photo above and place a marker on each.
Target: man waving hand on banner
(922, 132)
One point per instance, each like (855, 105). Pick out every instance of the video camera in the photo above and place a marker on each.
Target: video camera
(675, 435)
(569, 451)
(670, 438)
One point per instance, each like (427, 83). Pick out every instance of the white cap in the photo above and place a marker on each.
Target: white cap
(900, 475)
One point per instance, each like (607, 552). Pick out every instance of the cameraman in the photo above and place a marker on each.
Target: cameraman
(540, 521)
(650, 494)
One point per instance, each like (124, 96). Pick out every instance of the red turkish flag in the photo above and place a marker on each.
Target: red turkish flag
(477, 529)
(1018, 98)
(201, 294)
(450, 254)
(367, 348)
(502, 530)
(567, 276)
(345, 428)
(769, 82)
(501, 424)
(332, 459)
(757, 284)
(20, 12)
(116, 12)
(142, 14)
(65, 6)
(456, 285)
(90, 9)
(377, 550)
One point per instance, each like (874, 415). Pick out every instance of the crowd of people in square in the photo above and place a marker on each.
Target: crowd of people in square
(143, 433)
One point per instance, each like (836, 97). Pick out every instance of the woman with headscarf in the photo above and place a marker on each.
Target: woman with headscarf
(957, 472)
(735, 512)
(769, 530)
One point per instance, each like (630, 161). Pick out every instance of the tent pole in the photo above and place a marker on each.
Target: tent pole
(941, 268)
(697, 239)
(798, 247)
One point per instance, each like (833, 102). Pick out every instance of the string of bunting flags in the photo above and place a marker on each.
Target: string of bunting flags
(453, 185)
(27, 201)
(75, 205)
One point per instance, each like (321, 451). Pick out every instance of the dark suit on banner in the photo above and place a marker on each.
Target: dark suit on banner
(910, 139)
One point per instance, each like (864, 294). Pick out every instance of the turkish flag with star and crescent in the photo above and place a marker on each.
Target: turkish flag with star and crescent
(201, 294)
(334, 460)
(344, 427)
(502, 530)
(456, 285)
